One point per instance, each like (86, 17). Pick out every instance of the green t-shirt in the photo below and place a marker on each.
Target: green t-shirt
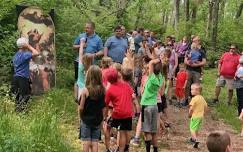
(151, 89)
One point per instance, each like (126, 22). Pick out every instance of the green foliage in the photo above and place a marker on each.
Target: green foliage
(41, 128)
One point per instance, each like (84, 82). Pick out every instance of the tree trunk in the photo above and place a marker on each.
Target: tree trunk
(222, 7)
(177, 9)
(194, 13)
(187, 8)
(238, 14)
(209, 24)
(215, 24)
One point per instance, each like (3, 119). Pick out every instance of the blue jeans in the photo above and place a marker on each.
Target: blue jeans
(90, 133)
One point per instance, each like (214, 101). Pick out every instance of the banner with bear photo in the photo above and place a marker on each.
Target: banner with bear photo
(39, 29)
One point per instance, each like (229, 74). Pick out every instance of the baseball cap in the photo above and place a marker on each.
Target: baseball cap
(21, 42)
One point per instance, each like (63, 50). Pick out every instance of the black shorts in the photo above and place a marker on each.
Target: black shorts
(159, 105)
(163, 103)
(76, 70)
(122, 124)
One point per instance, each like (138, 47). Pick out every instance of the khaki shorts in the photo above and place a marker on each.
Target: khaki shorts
(222, 81)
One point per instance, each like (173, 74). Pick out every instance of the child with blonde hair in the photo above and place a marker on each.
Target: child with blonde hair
(198, 107)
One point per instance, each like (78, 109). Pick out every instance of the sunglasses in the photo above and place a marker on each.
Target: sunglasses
(118, 31)
(232, 48)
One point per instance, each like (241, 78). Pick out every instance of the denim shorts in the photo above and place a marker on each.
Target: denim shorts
(88, 133)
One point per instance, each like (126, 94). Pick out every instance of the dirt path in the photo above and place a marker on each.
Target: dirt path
(176, 141)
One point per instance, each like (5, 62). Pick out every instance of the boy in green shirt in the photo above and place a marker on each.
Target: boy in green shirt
(149, 104)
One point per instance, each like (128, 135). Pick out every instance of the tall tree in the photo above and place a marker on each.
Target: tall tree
(222, 8)
(177, 13)
(215, 24)
(210, 12)
(239, 11)
(187, 9)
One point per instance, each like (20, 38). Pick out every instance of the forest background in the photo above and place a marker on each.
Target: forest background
(51, 121)
(217, 22)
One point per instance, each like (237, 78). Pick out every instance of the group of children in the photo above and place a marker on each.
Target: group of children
(112, 94)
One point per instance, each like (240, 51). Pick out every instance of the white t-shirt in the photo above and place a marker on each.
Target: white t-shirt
(239, 72)
(131, 43)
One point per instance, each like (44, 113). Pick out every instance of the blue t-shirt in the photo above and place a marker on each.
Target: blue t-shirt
(137, 40)
(21, 63)
(116, 48)
(93, 43)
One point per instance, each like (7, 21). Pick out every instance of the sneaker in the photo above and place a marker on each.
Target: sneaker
(135, 141)
(196, 144)
(178, 105)
(184, 104)
(215, 101)
(191, 141)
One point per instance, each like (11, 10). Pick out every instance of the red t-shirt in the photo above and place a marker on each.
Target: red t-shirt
(181, 78)
(229, 63)
(120, 94)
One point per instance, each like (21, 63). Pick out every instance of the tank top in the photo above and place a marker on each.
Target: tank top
(92, 113)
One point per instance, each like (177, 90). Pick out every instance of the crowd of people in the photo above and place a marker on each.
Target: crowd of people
(133, 76)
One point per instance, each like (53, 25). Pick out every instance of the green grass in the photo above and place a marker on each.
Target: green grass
(221, 110)
(48, 126)
(51, 122)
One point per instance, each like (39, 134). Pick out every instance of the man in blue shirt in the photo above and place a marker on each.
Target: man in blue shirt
(93, 47)
(116, 46)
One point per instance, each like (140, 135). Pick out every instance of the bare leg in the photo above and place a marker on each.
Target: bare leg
(230, 95)
(86, 146)
(107, 131)
(154, 140)
(45, 83)
(122, 141)
(139, 126)
(217, 92)
(94, 147)
(193, 135)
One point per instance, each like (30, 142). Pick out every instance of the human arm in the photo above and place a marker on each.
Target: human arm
(82, 101)
(107, 45)
(33, 50)
(241, 116)
(151, 65)
(81, 51)
(190, 112)
(136, 104)
(99, 49)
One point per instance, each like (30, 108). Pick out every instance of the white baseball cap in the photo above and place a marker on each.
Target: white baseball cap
(22, 41)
